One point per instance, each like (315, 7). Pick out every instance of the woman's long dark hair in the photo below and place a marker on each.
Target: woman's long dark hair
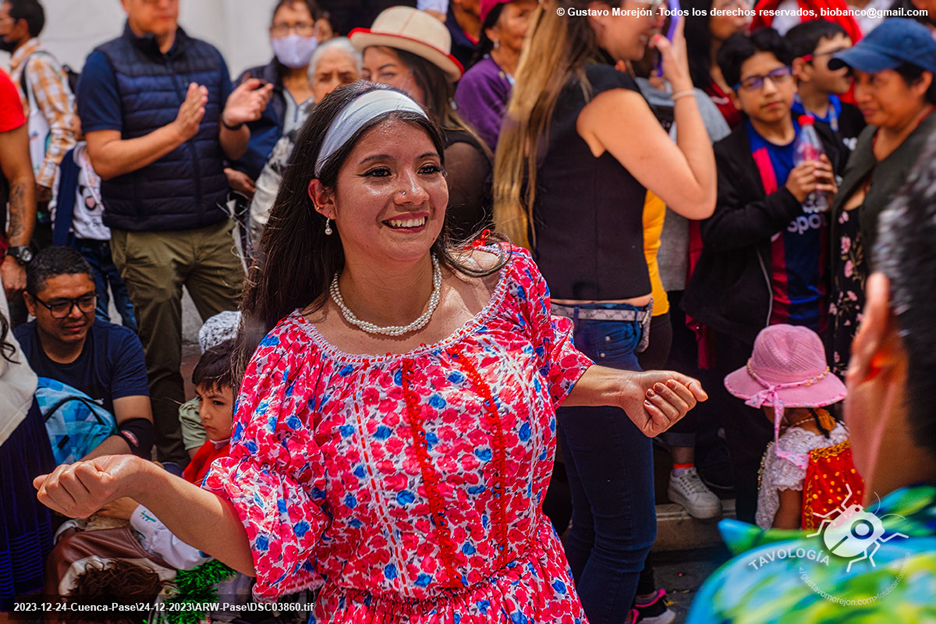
(296, 260)
(439, 92)
(485, 45)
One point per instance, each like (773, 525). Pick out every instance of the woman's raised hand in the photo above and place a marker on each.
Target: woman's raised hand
(674, 57)
(80, 489)
(656, 400)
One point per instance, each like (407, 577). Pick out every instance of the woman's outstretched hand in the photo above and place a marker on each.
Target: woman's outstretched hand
(656, 400)
(80, 489)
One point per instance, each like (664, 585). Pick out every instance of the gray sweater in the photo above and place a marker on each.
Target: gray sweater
(673, 257)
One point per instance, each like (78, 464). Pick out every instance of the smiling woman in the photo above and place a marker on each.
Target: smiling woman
(410, 50)
(397, 462)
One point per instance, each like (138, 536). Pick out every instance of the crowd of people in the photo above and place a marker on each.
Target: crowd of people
(459, 264)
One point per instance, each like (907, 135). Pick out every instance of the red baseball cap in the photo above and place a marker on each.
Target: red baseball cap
(487, 6)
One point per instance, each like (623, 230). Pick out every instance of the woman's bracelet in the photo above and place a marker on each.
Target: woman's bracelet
(682, 94)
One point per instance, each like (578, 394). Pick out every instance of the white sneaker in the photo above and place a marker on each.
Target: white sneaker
(689, 491)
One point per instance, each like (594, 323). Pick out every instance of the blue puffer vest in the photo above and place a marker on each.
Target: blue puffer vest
(186, 188)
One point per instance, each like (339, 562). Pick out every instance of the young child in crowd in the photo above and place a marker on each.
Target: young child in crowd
(811, 45)
(765, 255)
(807, 471)
(214, 386)
(760, 217)
(214, 331)
(148, 543)
(78, 221)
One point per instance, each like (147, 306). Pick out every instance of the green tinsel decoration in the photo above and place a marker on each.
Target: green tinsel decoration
(197, 586)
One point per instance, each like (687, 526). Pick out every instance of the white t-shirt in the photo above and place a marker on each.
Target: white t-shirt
(88, 216)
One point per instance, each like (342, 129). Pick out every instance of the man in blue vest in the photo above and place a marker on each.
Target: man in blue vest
(160, 115)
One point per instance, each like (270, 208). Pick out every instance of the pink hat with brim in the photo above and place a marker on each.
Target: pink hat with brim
(787, 369)
(792, 360)
(417, 32)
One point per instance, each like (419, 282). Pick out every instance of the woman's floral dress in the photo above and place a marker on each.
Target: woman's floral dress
(848, 280)
(409, 487)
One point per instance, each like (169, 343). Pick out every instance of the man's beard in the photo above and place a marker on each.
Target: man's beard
(8, 46)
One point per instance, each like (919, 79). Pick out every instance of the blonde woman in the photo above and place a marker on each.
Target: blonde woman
(579, 149)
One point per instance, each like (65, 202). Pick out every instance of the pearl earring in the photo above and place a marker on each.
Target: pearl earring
(328, 230)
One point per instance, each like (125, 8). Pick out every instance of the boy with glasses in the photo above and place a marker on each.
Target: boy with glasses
(811, 45)
(764, 258)
(66, 343)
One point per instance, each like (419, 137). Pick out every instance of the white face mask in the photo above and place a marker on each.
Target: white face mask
(294, 51)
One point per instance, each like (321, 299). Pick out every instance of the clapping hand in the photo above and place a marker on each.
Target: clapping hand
(247, 102)
(192, 111)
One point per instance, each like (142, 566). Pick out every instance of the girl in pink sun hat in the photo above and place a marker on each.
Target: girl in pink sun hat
(807, 470)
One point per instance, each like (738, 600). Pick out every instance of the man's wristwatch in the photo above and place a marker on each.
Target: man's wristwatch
(22, 254)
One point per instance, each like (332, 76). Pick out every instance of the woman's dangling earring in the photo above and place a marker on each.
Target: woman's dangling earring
(328, 230)
(497, 45)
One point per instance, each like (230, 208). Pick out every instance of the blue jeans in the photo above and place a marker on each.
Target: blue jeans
(610, 468)
(98, 255)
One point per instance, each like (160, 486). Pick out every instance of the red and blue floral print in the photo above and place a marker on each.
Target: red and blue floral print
(410, 486)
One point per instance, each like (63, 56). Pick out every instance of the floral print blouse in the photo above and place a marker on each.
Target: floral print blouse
(848, 281)
(409, 487)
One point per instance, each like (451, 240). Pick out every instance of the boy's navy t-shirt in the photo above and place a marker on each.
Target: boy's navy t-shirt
(111, 365)
(798, 253)
(845, 119)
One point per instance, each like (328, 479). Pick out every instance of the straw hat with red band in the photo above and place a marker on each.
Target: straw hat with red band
(414, 31)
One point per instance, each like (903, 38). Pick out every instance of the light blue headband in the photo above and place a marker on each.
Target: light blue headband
(356, 114)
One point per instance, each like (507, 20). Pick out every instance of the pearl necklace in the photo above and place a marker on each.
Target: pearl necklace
(393, 330)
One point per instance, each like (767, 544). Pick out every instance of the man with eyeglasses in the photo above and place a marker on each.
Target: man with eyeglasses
(103, 360)
(765, 247)
(160, 116)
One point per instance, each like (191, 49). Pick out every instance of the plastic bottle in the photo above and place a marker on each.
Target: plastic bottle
(809, 147)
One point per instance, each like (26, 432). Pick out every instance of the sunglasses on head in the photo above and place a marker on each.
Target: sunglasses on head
(809, 58)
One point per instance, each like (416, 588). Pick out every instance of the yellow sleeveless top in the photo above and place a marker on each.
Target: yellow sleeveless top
(653, 216)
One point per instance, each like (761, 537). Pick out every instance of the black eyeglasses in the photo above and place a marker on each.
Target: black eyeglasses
(754, 83)
(61, 308)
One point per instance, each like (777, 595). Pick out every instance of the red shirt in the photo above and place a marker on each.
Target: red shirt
(197, 469)
(11, 109)
(725, 106)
